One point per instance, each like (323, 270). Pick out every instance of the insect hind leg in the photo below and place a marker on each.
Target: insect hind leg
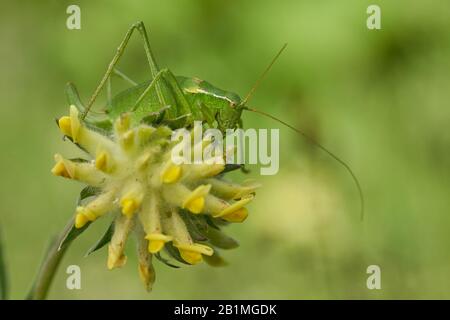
(120, 50)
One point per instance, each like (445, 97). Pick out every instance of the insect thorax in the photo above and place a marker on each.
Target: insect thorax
(220, 105)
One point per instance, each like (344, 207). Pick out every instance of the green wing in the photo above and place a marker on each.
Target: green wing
(126, 100)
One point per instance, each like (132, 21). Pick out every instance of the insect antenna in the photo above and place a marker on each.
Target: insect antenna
(258, 82)
(317, 144)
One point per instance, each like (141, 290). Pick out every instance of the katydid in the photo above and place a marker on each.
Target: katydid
(177, 101)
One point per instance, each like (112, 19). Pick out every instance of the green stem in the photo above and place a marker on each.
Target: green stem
(49, 266)
(3, 274)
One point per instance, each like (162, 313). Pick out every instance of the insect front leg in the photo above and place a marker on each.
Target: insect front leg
(120, 50)
(157, 116)
(243, 168)
(207, 113)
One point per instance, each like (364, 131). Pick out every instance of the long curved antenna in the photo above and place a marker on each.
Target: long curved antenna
(258, 82)
(331, 154)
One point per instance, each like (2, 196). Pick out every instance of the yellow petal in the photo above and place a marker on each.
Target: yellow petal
(129, 206)
(127, 140)
(101, 161)
(237, 216)
(195, 202)
(83, 216)
(60, 170)
(87, 212)
(191, 257)
(64, 126)
(80, 220)
(156, 241)
(196, 205)
(155, 246)
(234, 207)
(122, 123)
(171, 173)
(192, 253)
(74, 123)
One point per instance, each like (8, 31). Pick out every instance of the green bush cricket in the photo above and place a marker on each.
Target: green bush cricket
(177, 101)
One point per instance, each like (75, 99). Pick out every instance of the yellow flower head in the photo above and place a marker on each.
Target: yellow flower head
(131, 178)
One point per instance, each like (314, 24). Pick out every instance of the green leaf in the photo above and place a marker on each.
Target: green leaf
(152, 118)
(213, 221)
(76, 144)
(215, 236)
(165, 261)
(78, 160)
(231, 167)
(202, 228)
(102, 126)
(106, 238)
(3, 274)
(105, 125)
(71, 234)
(215, 260)
(191, 226)
(87, 192)
(72, 96)
(174, 253)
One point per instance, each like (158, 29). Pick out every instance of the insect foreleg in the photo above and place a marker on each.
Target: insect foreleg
(207, 113)
(157, 116)
(120, 50)
(243, 168)
(170, 122)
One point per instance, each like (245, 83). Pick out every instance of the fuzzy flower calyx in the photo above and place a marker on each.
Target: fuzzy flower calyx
(179, 208)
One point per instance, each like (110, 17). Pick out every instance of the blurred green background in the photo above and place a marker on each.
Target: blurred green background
(379, 99)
